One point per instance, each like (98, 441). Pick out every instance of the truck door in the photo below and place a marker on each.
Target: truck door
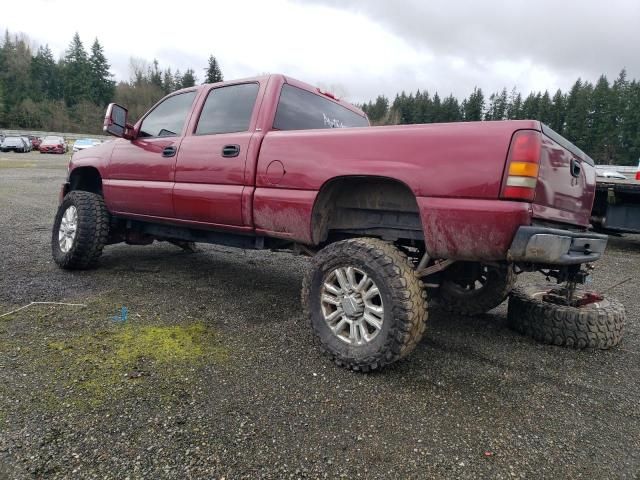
(141, 171)
(210, 170)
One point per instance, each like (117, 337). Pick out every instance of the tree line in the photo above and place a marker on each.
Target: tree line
(69, 94)
(602, 119)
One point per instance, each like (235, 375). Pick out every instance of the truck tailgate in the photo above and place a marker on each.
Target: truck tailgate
(566, 182)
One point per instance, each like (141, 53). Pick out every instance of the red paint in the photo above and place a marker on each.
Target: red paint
(470, 229)
(456, 172)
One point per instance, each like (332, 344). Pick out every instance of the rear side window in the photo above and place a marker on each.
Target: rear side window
(167, 119)
(299, 109)
(228, 109)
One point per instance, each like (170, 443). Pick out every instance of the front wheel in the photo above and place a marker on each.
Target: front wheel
(80, 230)
(591, 321)
(366, 306)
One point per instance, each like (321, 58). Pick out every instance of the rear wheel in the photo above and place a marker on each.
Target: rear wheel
(80, 230)
(533, 311)
(470, 288)
(366, 306)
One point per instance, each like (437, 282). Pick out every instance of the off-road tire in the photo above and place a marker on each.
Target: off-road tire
(450, 297)
(91, 234)
(597, 325)
(405, 311)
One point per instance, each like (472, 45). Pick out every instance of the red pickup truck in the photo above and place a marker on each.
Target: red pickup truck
(388, 213)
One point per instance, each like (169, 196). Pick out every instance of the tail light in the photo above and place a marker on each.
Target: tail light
(523, 163)
(638, 171)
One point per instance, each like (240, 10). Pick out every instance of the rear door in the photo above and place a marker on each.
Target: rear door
(566, 182)
(210, 171)
(141, 171)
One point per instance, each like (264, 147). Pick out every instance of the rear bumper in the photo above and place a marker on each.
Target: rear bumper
(550, 246)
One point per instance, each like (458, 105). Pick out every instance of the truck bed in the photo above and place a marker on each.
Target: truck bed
(616, 207)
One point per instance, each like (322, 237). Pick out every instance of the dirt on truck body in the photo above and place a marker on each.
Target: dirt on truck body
(394, 217)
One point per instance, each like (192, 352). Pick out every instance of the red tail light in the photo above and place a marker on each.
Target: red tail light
(638, 171)
(523, 162)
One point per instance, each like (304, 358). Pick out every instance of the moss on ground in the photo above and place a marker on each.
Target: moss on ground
(102, 365)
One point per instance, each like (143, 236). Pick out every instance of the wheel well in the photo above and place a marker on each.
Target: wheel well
(87, 179)
(366, 206)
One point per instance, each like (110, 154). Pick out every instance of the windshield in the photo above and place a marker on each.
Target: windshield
(52, 140)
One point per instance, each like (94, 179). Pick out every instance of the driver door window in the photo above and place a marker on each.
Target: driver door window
(168, 118)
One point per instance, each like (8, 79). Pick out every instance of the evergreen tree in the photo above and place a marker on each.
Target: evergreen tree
(437, 108)
(76, 73)
(168, 83)
(189, 79)
(45, 77)
(514, 106)
(177, 79)
(577, 113)
(558, 108)
(545, 108)
(451, 110)
(153, 75)
(213, 73)
(102, 87)
(473, 107)
(603, 123)
(632, 124)
(498, 103)
(377, 112)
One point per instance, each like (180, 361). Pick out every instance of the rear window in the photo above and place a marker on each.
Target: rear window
(299, 109)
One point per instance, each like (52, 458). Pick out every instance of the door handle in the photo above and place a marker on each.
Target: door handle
(575, 168)
(169, 151)
(231, 150)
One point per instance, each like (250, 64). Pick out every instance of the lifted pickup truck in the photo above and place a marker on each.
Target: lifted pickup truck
(388, 213)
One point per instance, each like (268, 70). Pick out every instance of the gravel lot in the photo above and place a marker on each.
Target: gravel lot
(215, 374)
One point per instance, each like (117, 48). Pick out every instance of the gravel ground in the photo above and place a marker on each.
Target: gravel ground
(215, 374)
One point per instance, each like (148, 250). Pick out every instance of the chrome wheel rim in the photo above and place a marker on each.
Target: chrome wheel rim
(352, 305)
(68, 229)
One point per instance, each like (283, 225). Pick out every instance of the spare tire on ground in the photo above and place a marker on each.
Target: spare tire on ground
(592, 321)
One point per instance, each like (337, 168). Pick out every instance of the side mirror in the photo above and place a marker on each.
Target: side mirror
(115, 121)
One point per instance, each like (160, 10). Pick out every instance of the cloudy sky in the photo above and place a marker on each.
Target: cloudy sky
(360, 48)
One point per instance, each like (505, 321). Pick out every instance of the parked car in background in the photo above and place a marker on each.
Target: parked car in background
(83, 143)
(15, 144)
(35, 141)
(53, 144)
(27, 144)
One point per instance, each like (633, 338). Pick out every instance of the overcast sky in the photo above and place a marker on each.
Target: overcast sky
(360, 48)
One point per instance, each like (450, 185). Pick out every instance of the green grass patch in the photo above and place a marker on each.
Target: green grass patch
(108, 364)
